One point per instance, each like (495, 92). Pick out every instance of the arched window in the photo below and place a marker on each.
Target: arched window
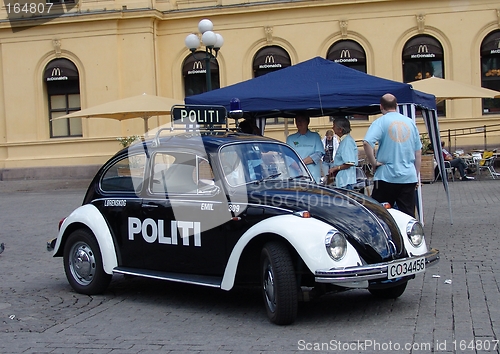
(270, 58)
(63, 91)
(490, 70)
(423, 58)
(351, 54)
(194, 71)
(348, 53)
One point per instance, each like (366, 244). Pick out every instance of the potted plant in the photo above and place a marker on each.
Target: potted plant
(427, 165)
(127, 140)
(128, 170)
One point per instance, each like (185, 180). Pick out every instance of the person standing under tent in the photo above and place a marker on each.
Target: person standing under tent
(397, 164)
(308, 145)
(330, 144)
(346, 158)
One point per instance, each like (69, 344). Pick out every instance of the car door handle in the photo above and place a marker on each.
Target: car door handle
(150, 205)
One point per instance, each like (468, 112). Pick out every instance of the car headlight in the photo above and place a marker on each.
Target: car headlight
(415, 233)
(336, 245)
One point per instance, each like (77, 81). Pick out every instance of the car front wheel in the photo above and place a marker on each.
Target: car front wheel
(83, 264)
(279, 286)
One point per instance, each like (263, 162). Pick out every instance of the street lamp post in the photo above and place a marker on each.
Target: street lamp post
(212, 42)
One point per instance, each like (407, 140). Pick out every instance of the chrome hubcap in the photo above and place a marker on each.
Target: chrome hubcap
(269, 290)
(82, 263)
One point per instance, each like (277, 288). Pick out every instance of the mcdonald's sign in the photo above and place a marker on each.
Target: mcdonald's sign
(423, 52)
(60, 70)
(197, 68)
(344, 53)
(270, 63)
(56, 75)
(344, 56)
(347, 52)
(497, 50)
(269, 59)
(423, 48)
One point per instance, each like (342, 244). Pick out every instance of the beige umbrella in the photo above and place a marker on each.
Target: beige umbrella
(142, 106)
(445, 89)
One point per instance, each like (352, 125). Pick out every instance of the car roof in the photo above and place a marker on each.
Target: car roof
(191, 140)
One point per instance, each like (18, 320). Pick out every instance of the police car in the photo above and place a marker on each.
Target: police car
(218, 208)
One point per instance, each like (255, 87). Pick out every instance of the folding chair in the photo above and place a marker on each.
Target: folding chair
(450, 171)
(488, 163)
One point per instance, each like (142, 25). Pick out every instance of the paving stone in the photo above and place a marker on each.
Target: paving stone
(453, 303)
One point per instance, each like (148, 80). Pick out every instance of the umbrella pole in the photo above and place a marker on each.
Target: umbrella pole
(146, 126)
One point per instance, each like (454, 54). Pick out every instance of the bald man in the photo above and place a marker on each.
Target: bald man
(398, 159)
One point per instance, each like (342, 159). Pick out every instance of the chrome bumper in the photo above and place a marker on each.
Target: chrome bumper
(368, 272)
(51, 244)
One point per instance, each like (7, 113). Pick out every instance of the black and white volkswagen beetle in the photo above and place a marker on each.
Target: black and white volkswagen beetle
(219, 208)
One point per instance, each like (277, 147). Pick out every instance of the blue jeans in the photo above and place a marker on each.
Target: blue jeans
(325, 166)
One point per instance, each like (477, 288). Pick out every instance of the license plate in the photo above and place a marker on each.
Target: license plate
(404, 268)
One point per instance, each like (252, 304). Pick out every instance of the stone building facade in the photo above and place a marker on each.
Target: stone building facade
(80, 54)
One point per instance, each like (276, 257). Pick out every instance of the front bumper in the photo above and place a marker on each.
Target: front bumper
(368, 272)
(51, 244)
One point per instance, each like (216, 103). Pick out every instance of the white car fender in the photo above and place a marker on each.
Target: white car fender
(306, 235)
(90, 216)
(402, 220)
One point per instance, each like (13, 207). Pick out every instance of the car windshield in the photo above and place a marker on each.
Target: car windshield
(244, 163)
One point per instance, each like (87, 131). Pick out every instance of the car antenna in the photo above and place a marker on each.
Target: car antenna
(320, 104)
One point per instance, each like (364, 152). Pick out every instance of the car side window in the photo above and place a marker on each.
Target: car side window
(250, 162)
(232, 166)
(125, 175)
(181, 173)
(205, 177)
(274, 163)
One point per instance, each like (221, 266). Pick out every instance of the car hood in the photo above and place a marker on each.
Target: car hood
(366, 223)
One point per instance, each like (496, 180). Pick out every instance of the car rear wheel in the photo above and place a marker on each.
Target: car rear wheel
(279, 286)
(389, 293)
(83, 264)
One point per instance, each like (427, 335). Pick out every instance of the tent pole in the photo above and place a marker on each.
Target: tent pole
(146, 126)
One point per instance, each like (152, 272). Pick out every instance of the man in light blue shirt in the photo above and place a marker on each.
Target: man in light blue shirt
(397, 164)
(346, 158)
(308, 145)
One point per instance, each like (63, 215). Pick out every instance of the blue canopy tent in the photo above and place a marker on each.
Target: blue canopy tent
(321, 87)
(318, 86)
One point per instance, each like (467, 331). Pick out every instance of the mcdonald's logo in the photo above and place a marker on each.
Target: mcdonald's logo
(56, 72)
(423, 48)
(269, 59)
(197, 65)
(345, 53)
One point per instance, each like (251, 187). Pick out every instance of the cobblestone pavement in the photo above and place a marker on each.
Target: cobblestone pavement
(452, 308)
